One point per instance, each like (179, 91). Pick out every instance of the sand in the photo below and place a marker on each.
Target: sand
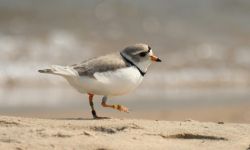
(109, 134)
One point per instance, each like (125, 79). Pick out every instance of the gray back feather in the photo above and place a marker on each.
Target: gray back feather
(100, 64)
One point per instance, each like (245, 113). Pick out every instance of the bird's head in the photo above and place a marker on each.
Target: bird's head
(141, 55)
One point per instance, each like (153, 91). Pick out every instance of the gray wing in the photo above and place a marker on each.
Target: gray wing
(100, 64)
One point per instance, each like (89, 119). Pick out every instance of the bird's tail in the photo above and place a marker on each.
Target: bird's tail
(58, 70)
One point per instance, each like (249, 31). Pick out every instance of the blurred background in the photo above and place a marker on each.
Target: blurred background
(204, 45)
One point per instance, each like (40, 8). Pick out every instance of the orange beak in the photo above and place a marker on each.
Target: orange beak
(155, 58)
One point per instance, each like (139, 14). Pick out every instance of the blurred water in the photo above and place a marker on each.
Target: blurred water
(204, 46)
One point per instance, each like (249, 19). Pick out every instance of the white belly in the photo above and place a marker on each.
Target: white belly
(110, 83)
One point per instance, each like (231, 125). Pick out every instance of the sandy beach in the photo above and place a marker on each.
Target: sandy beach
(107, 134)
(197, 98)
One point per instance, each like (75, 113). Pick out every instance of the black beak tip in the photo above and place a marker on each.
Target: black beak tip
(158, 60)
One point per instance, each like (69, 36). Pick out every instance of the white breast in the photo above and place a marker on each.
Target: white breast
(110, 83)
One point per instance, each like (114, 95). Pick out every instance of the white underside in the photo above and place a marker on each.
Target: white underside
(109, 83)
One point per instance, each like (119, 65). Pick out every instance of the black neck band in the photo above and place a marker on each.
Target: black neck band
(132, 64)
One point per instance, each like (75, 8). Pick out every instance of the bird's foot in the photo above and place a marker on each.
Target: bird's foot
(97, 117)
(120, 108)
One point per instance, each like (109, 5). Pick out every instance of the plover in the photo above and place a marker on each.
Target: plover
(109, 75)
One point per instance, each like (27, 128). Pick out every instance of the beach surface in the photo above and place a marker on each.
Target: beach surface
(21, 133)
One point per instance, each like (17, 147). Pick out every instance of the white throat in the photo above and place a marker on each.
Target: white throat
(143, 65)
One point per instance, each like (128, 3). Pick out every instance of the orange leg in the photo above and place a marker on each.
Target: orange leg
(92, 105)
(118, 107)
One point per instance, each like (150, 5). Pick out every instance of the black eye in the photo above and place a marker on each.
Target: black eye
(143, 54)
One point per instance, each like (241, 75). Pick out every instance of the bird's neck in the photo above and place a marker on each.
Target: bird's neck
(130, 62)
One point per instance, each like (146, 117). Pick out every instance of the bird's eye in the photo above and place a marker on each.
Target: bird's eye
(143, 54)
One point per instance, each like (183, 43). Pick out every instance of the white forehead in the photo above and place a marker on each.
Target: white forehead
(151, 52)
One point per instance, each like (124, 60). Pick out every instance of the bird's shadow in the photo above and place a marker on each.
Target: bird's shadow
(99, 118)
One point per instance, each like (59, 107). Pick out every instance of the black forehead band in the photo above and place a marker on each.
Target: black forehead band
(149, 49)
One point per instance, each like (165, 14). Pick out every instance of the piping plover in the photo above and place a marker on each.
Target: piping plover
(109, 75)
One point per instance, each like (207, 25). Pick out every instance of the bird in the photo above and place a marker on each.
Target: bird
(109, 75)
